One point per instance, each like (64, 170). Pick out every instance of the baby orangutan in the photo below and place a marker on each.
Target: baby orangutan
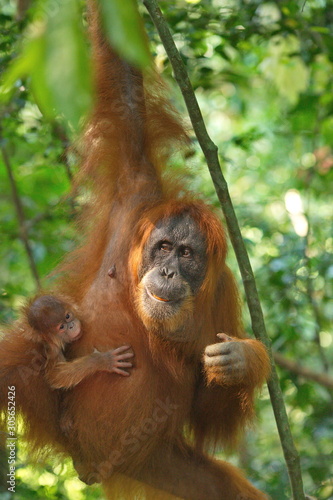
(54, 325)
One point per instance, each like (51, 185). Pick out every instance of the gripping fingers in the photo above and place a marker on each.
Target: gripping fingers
(121, 357)
(121, 349)
(119, 360)
(119, 371)
(217, 361)
(222, 347)
(119, 354)
(120, 364)
(224, 337)
(218, 349)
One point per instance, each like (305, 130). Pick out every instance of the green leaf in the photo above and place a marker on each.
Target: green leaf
(39, 84)
(67, 64)
(123, 26)
(56, 56)
(20, 67)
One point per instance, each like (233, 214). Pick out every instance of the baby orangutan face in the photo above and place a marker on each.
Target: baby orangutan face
(51, 316)
(70, 327)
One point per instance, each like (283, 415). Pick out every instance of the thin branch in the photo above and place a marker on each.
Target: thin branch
(303, 6)
(210, 151)
(20, 216)
(302, 371)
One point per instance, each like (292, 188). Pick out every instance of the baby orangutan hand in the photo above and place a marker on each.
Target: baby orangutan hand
(115, 360)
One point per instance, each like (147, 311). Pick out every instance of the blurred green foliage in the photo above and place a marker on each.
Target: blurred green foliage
(123, 26)
(263, 74)
(54, 56)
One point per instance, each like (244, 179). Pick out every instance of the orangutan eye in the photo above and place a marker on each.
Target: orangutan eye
(186, 252)
(166, 246)
(62, 327)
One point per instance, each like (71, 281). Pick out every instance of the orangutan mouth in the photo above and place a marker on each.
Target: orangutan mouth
(155, 297)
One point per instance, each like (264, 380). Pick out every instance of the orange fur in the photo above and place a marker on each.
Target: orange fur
(22, 365)
(134, 426)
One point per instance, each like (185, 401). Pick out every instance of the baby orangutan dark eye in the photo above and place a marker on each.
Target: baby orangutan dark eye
(62, 327)
(68, 316)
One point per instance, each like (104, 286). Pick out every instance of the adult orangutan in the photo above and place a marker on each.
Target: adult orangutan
(150, 275)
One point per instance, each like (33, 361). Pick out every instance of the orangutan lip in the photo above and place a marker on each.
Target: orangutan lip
(158, 299)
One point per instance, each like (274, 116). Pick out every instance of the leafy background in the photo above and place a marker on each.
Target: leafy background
(263, 74)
